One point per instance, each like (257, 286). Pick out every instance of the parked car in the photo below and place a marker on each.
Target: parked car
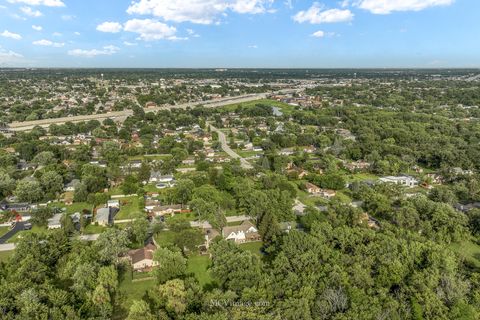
(27, 226)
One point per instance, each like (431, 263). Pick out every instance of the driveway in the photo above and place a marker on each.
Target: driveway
(19, 226)
(223, 141)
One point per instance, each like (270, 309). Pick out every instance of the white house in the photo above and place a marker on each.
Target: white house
(55, 221)
(407, 181)
(113, 204)
(243, 233)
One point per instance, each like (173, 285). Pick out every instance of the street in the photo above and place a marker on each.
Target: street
(223, 141)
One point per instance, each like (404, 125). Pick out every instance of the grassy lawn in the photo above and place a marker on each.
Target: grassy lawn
(4, 230)
(247, 153)
(253, 247)
(179, 216)
(19, 235)
(93, 229)
(130, 210)
(198, 265)
(5, 255)
(306, 199)
(360, 177)
(130, 291)
(468, 250)
(165, 237)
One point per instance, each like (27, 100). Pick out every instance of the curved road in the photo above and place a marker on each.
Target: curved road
(19, 226)
(223, 141)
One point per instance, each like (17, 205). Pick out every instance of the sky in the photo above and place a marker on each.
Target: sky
(240, 33)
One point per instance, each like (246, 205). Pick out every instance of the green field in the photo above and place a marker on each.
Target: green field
(469, 251)
(165, 237)
(93, 229)
(130, 210)
(253, 247)
(198, 265)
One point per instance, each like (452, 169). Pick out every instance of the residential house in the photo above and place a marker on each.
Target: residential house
(55, 221)
(156, 177)
(104, 216)
(245, 232)
(288, 226)
(326, 193)
(142, 259)
(18, 207)
(407, 181)
(311, 188)
(167, 209)
(113, 204)
(71, 186)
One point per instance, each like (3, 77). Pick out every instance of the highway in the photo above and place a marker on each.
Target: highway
(122, 115)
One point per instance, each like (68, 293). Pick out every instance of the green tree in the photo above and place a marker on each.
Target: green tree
(52, 184)
(139, 310)
(29, 190)
(171, 265)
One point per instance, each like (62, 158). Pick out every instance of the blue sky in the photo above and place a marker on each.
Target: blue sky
(240, 33)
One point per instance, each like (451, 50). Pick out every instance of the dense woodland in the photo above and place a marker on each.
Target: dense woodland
(332, 267)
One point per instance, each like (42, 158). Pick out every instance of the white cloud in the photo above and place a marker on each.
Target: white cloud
(192, 33)
(197, 11)
(30, 12)
(250, 6)
(105, 51)
(323, 34)
(389, 6)
(7, 56)
(76, 33)
(129, 44)
(253, 46)
(37, 28)
(315, 15)
(112, 27)
(67, 17)
(48, 43)
(56, 34)
(150, 30)
(11, 35)
(47, 3)
(318, 34)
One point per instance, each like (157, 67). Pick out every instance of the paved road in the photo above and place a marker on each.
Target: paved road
(122, 115)
(223, 141)
(19, 226)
